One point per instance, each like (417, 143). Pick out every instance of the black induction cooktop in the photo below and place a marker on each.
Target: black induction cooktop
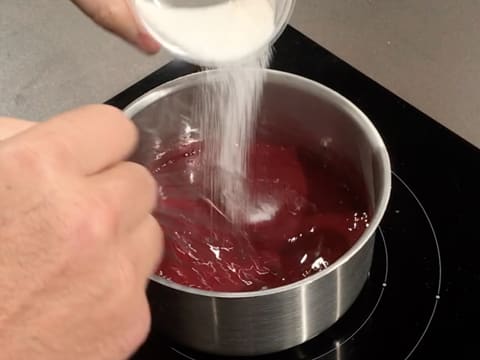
(422, 300)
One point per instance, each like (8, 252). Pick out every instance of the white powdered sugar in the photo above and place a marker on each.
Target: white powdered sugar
(227, 113)
(231, 36)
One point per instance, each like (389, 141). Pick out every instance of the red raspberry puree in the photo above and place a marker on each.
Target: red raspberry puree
(308, 210)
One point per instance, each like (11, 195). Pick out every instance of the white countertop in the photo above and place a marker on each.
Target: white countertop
(52, 58)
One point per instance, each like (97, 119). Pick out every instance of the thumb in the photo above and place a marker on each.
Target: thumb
(117, 16)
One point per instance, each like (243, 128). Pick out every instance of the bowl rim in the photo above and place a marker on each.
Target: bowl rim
(314, 88)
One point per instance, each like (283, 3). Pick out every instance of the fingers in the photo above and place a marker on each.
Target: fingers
(10, 127)
(86, 140)
(129, 190)
(118, 17)
(144, 247)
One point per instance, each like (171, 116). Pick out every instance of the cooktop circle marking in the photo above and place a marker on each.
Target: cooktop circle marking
(437, 297)
(182, 354)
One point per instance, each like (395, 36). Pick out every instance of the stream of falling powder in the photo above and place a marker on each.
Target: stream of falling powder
(227, 108)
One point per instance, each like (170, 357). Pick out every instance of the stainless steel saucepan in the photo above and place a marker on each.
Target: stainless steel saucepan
(297, 111)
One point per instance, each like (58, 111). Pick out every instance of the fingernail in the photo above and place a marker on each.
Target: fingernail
(147, 43)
